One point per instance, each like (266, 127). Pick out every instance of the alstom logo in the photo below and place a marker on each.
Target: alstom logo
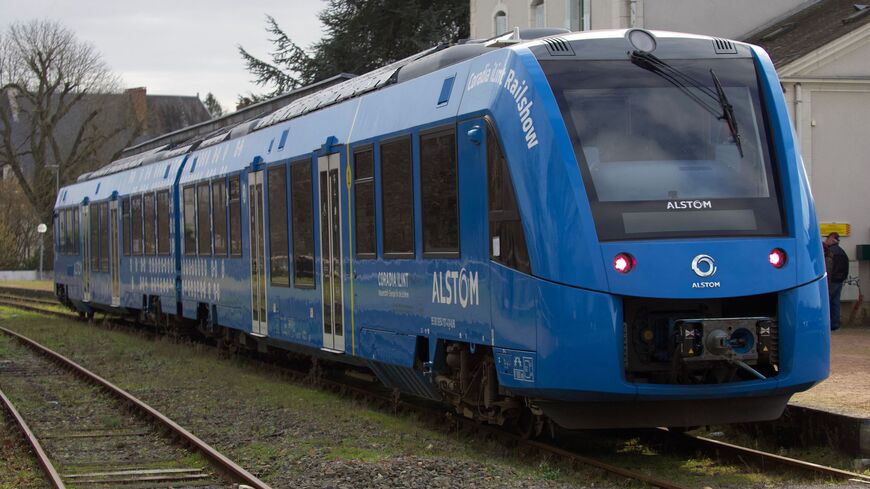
(689, 204)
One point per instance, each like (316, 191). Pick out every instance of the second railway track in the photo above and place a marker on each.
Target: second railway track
(714, 449)
(87, 432)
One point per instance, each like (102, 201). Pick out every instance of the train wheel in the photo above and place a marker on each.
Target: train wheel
(529, 425)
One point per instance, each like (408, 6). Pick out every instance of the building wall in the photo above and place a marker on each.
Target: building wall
(829, 102)
(725, 18)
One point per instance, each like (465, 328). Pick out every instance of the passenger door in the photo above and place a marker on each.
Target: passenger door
(85, 228)
(331, 260)
(259, 309)
(115, 263)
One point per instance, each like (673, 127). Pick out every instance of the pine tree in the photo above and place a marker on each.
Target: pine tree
(213, 106)
(361, 35)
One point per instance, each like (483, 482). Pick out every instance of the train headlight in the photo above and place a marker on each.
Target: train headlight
(777, 257)
(624, 263)
(641, 40)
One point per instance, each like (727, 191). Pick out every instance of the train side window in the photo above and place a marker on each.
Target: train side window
(439, 194)
(219, 215)
(279, 263)
(148, 215)
(136, 223)
(397, 195)
(75, 226)
(125, 226)
(235, 204)
(189, 196)
(303, 224)
(506, 237)
(94, 237)
(203, 224)
(163, 222)
(104, 237)
(364, 203)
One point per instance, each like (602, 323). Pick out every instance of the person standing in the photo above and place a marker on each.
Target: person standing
(837, 264)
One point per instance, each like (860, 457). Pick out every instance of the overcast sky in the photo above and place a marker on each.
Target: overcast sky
(177, 47)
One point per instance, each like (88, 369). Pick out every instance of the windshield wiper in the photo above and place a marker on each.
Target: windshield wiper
(682, 81)
(727, 112)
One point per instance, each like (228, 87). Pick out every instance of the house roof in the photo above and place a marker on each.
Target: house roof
(167, 113)
(810, 28)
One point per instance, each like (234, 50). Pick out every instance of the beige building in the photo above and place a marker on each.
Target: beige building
(724, 18)
(821, 49)
(822, 55)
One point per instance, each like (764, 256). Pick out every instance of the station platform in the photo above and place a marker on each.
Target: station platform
(847, 391)
(836, 412)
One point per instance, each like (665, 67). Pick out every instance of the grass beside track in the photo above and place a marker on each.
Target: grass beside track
(19, 468)
(290, 435)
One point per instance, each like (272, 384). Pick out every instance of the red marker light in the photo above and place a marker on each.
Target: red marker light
(623, 263)
(777, 258)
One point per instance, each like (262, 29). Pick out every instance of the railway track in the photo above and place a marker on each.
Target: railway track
(713, 448)
(86, 431)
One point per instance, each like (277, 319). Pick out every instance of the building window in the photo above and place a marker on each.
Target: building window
(189, 197)
(203, 226)
(364, 203)
(397, 195)
(136, 224)
(302, 207)
(163, 222)
(125, 227)
(439, 193)
(506, 236)
(219, 215)
(279, 266)
(235, 204)
(577, 15)
(148, 215)
(500, 23)
(537, 18)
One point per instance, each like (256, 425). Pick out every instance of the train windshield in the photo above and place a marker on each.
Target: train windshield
(658, 155)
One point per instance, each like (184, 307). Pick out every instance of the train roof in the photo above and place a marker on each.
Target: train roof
(398, 72)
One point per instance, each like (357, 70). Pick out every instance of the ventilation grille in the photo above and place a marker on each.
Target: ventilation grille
(724, 46)
(557, 46)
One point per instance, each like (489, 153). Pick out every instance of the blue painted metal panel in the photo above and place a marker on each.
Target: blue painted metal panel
(387, 347)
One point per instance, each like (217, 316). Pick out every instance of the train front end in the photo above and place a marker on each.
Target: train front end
(686, 284)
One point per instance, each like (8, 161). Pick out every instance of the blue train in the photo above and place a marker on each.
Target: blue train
(602, 229)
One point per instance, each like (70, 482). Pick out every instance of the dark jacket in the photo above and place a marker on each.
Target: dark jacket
(840, 266)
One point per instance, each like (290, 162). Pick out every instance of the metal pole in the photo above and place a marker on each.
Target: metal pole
(41, 249)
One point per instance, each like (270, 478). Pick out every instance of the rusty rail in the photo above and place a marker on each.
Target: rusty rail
(53, 477)
(221, 462)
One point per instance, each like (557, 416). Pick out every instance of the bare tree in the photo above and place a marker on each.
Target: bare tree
(58, 117)
(18, 221)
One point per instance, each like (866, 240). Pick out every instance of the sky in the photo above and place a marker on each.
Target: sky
(180, 47)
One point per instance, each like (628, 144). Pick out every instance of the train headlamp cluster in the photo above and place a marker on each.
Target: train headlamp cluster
(624, 263)
(777, 257)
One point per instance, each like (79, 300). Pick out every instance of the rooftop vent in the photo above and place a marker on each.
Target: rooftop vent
(557, 46)
(724, 46)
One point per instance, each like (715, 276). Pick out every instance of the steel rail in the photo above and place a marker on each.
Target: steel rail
(41, 457)
(700, 442)
(737, 450)
(216, 458)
